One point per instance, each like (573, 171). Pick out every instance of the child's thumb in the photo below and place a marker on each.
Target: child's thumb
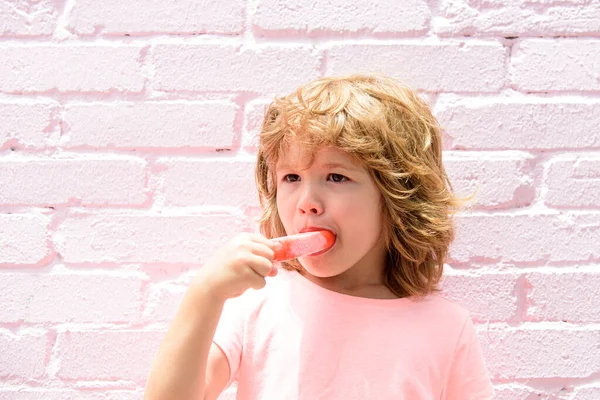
(274, 270)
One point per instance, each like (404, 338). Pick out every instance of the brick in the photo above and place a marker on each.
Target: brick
(526, 238)
(517, 18)
(28, 18)
(440, 67)
(52, 394)
(587, 393)
(488, 297)
(567, 65)
(528, 393)
(499, 181)
(117, 17)
(23, 355)
(148, 239)
(339, 17)
(573, 182)
(210, 181)
(255, 113)
(519, 123)
(261, 69)
(68, 297)
(78, 68)
(43, 181)
(563, 296)
(27, 123)
(162, 302)
(108, 355)
(23, 239)
(172, 124)
(538, 351)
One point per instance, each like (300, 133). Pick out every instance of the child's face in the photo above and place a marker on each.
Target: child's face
(342, 198)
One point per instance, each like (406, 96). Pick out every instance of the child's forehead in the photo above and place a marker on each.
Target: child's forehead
(296, 156)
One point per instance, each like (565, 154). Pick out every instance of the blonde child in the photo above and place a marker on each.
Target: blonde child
(360, 156)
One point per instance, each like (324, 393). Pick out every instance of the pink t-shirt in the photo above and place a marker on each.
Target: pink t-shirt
(295, 340)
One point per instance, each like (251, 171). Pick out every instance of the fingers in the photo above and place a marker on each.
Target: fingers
(256, 237)
(259, 264)
(257, 282)
(257, 256)
(274, 270)
(262, 250)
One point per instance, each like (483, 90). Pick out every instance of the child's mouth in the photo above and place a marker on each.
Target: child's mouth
(318, 253)
(303, 244)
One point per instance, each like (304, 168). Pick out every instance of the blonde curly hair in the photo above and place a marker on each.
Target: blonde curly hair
(392, 132)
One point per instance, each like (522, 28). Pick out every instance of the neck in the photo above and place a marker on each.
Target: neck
(364, 279)
(345, 284)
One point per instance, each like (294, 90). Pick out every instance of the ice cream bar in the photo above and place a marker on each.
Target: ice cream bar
(302, 244)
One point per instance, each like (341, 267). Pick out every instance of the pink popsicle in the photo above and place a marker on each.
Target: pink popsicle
(302, 244)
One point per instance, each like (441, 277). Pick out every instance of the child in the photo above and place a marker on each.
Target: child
(360, 156)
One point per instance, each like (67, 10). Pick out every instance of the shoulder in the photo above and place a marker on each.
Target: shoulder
(444, 323)
(444, 311)
(443, 302)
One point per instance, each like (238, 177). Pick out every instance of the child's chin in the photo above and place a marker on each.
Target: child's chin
(320, 269)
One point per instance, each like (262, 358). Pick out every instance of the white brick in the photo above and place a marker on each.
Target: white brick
(338, 17)
(499, 181)
(513, 393)
(539, 352)
(23, 239)
(447, 67)
(255, 113)
(587, 393)
(157, 16)
(163, 301)
(151, 125)
(67, 297)
(27, 123)
(488, 297)
(519, 122)
(566, 65)
(148, 239)
(215, 181)
(574, 182)
(517, 18)
(209, 67)
(526, 238)
(23, 355)
(563, 296)
(65, 68)
(108, 355)
(43, 181)
(28, 18)
(65, 394)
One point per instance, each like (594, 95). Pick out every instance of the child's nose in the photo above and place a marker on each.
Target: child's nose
(311, 210)
(309, 204)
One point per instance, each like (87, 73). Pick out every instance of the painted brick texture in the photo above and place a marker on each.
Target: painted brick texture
(127, 147)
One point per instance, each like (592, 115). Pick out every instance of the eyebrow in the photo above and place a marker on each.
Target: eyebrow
(338, 165)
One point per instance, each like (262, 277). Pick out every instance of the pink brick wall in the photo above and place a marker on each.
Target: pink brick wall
(126, 155)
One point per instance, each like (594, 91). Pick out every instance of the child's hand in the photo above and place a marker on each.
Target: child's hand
(240, 264)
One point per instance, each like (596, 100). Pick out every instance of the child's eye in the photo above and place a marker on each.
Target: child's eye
(337, 178)
(290, 178)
